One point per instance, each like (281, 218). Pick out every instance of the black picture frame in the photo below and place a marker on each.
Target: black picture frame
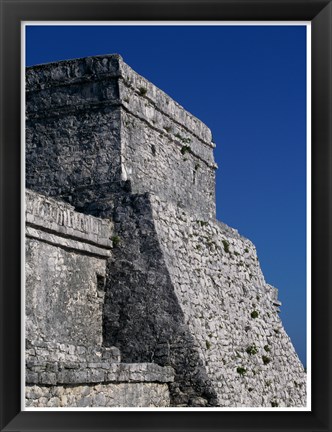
(12, 13)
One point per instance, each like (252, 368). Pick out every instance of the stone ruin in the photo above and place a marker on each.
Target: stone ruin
(136, 295)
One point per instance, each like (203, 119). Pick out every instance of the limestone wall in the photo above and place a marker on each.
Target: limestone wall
(162, 160)
(64, 375)
(231, 311)
(109, 395)
(65, 272)
(189, 293)
(143, 316)
(166, 150)
(66, 364)
(93, 125)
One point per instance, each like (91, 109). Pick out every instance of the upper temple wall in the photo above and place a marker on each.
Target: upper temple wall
(94, 123)
(87, 72)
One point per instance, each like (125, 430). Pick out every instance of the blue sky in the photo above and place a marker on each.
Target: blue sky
(248, 84)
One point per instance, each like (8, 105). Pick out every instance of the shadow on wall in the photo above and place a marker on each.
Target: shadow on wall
(142, 316)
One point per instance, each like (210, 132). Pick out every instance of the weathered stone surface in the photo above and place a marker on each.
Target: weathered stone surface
(142, 313)
(65, 288)
(190, 293)
(56, 366)
(230, 309)
(49, 215)
(106, 126)
(39, 353)
(140, 372)
(186, 302)
(63, 302)
(100, 395)
(65, 272)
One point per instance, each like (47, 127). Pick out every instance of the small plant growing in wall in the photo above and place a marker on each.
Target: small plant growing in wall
(185, 149)
(115, 240)
(266, 359)
(241, 370)
(183, 139)
(142, 91)
(254, 314)
(226, 246)
(252, 349)
(267, 348)
(274, 404)
(202, 223)
(208, 344)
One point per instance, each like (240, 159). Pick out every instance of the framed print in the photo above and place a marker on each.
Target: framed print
(125, 137)
(126, 304)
